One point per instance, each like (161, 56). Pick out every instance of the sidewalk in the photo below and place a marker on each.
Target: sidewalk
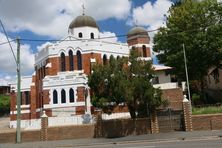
(128, 139)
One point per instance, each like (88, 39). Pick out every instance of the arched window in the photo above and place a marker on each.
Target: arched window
(92, 35)
(104, 59)
(80, 35)
(111, 59)
(55, 97)
(63, 62)
(71, 95)
(63, 96)
(133, 48)
(144, 51)
(117, 57)
(71, 66)
(79, 60)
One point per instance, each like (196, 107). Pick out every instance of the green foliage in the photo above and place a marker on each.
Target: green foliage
(124, 80)
(4, 104)
(196, 99)
(206, 110)
(197, 24)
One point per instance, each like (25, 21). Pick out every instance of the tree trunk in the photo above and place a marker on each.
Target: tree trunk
(132, 111)
(202, 84)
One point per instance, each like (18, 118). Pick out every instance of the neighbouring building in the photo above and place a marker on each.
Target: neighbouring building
(5, 90)
(59, 83)
(213, 89)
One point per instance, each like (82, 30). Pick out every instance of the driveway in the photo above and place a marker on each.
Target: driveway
(4, 123)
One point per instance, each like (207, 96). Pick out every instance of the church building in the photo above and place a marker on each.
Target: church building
(59, 84)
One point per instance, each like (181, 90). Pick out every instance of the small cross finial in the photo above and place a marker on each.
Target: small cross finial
(136, 23)
(83, 9)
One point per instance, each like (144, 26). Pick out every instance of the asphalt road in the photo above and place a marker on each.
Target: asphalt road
(195, 143)
(207, 142)
(195, 139)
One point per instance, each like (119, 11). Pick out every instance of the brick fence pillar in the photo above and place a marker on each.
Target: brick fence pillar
(187, 114)
(98, 125)
(44, 127)
(154, 123)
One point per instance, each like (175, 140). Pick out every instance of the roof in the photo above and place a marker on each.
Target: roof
(161, 67)
(83, 20)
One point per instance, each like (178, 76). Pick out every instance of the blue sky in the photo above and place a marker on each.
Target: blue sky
(49, 19)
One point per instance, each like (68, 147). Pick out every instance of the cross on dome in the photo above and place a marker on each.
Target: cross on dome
(83, 9)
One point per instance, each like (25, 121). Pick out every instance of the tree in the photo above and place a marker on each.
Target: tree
(4, 105)
(125, 80)
(197, 24)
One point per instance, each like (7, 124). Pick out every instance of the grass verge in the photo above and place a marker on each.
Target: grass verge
(206, 110)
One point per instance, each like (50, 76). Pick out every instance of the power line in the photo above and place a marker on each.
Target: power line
(8, 41)
(3, 43)
(108, 37)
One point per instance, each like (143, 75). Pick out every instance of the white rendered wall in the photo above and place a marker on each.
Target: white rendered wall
(86, 31)
(26, 82)
(84, 46)
(163, 78)
(66, 81)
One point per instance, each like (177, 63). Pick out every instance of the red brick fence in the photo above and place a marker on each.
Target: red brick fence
(119, 127)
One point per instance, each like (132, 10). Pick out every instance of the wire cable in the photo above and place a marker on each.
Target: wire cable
(6, 35)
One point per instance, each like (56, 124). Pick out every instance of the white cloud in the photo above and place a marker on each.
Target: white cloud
(111, 36)
(44, 45)
(7, 80)
(52, 17)
(150, 14)
(8, 65)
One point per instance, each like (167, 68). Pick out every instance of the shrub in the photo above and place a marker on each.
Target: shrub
(4, 105)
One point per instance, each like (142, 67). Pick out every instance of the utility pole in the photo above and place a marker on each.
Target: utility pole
(187, 78)
(18, 127)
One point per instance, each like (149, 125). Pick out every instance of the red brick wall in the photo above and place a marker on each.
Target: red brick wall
(174, 96)
(70, 132)
(122, 127)
(46, 98)
(33, 100)
(80, 110)
(80, 94)
(55, 66)
(54, 133)
(207, 122)
(24, 116)
(138, 41)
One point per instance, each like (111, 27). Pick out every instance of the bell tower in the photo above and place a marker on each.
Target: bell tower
(138, 39)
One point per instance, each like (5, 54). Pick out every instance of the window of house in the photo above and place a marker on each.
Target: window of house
(79, 60)
(63, 96)
(71, 65)
(27, 97)
(92, 35)
(80, 35)
(156, 80)
(63, 62)
(104, 59)
(144, 51)
(55, 97)
(71, 95)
